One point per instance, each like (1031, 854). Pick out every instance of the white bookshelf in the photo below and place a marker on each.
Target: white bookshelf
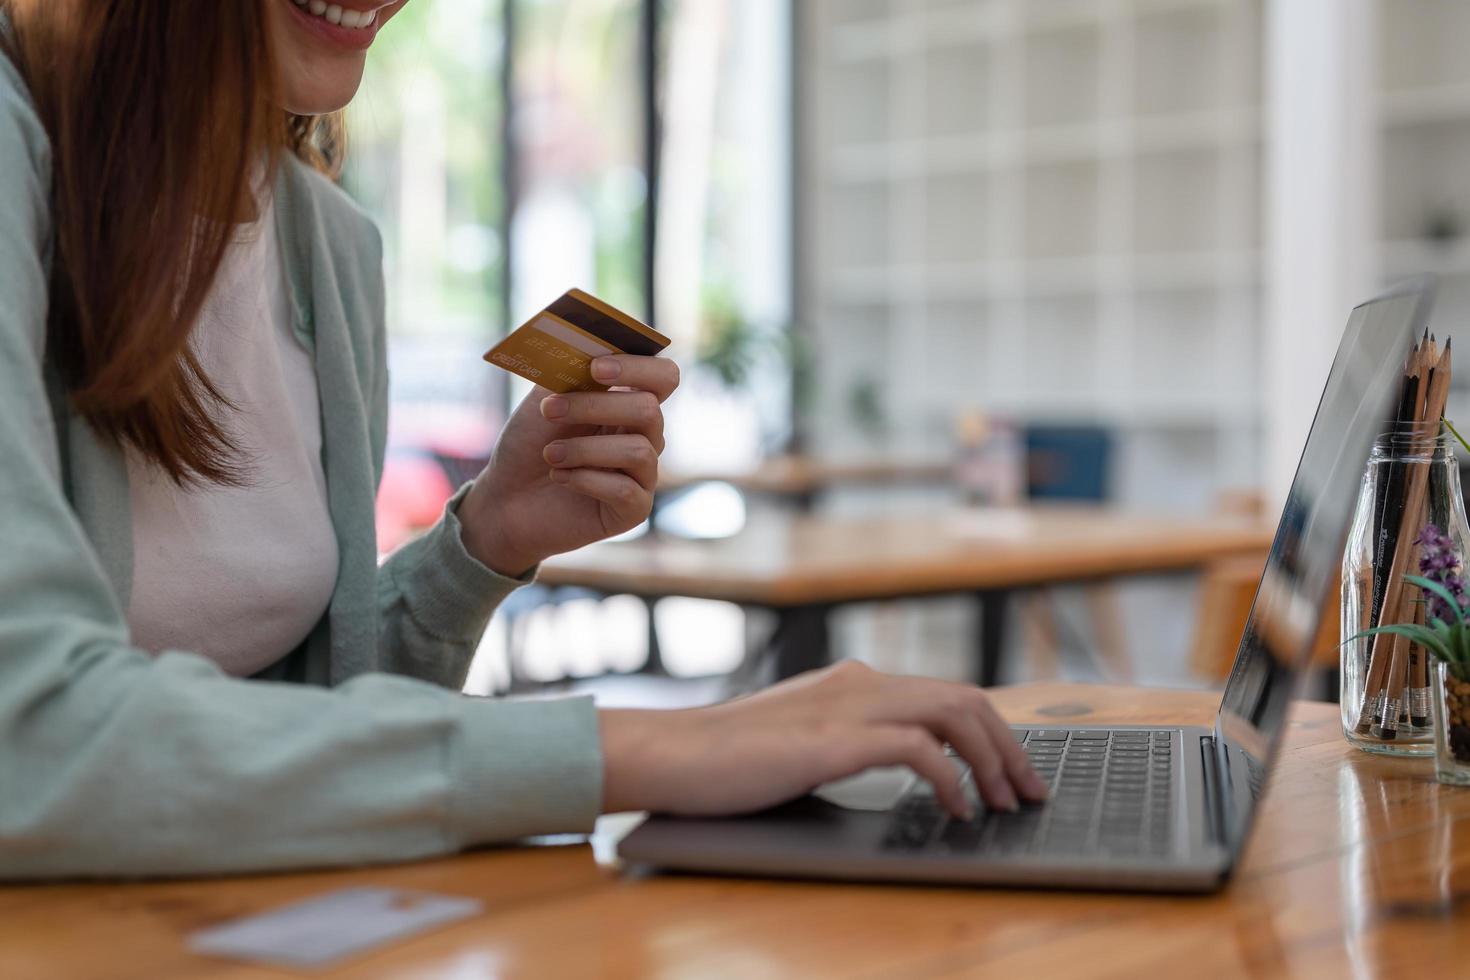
(1047, 208)
(1424, 117)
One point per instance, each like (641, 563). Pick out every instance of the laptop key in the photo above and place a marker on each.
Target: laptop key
(1048, 736)
(964, 836)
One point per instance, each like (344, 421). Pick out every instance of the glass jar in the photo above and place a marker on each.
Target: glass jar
(1451, 726)
(1412, 480)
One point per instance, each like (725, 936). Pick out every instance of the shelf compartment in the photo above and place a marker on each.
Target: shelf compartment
(957, 212)
(1423, 176)
(1062, 346)
(956, 91)
(1062, 68)
(1062, 211)
(1174, 343)
(955, 368)
(1422, 43)
(857, 231)
(855, 103)
(1179, 66)
(1176, 202)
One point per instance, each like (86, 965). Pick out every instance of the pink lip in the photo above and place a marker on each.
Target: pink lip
(350, 38)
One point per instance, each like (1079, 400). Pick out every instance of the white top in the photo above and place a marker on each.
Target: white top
(241, 574)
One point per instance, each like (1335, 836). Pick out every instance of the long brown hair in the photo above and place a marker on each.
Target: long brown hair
(158, 112)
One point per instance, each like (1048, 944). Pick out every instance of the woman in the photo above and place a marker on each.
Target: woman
(197, 648)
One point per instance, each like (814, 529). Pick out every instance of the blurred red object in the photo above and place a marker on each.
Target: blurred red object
(411, 497)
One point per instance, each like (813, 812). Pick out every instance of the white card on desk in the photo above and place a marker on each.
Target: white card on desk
(318, 931)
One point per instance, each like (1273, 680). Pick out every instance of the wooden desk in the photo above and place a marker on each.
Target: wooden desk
(1358, 867)
(802, 566)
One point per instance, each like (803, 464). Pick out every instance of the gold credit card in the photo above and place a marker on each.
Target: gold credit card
(555, 347)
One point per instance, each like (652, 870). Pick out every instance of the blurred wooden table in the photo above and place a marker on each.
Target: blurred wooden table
(1360, 866)
(803, 478)
(802, 566)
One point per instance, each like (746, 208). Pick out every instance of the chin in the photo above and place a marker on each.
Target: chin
(318, 96)
(321, 61)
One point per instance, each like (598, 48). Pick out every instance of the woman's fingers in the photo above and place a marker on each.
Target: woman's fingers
(628, 500)
(635, 411)
(1002, 770)
(658, 375)
(631, 453)
(976, 746)
(965, 716)
(1018, 766)
(902, 745)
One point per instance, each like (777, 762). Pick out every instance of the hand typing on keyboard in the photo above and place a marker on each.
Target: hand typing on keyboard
(773, 746)
(1111, 792)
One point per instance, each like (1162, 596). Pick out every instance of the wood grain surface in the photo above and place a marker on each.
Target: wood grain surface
(1360, 866)
(784, 559)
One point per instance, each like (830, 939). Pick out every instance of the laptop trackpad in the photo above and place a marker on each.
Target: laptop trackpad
(875, 789)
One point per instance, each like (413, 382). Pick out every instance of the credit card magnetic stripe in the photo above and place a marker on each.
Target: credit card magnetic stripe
(565, 332)
(605, 327)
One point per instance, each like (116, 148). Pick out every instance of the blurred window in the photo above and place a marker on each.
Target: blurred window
(424, 158)
(581, 184)
(434, 155)
(724, 264)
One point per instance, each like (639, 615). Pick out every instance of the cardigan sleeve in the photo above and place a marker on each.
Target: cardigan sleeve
(435, 601)
(115, 762)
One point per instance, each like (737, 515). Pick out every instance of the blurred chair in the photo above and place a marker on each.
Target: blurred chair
(1067, 462)
(411, 496)
(1072, 463)
(1227, 590)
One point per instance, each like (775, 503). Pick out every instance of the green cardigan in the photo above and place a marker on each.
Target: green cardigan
(115, 762)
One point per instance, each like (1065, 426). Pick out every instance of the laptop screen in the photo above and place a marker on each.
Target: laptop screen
(1306, 556)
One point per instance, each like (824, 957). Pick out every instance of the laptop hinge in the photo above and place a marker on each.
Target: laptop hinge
(1216, 791)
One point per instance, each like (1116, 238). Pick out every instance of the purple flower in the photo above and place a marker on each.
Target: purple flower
(1440, 563)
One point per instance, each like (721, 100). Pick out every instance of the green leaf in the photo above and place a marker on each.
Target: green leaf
(1455, 432)
(1456, 641)
(1441, 591)
(1460, 643)
(1422, 635)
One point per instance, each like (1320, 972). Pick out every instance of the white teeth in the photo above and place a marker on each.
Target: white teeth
(337, 14)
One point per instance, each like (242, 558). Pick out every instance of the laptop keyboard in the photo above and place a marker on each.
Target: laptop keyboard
(1111, 793)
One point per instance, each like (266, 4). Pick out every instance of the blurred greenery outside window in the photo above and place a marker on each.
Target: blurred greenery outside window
(579, 131)
(426, 160)
(723, 261)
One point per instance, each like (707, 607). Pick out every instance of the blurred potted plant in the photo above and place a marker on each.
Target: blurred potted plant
(865, 403)
(733, 349)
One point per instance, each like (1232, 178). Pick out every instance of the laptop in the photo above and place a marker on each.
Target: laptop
(1131, 808)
